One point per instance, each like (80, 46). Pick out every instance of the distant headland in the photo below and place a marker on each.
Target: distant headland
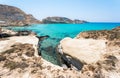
(64, 20)
(13, 16)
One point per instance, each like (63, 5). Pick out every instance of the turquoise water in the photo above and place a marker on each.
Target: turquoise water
(60, 31)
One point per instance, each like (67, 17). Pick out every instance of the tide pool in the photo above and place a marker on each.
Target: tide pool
(60, 31)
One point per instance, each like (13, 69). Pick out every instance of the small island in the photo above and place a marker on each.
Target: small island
(61, 20)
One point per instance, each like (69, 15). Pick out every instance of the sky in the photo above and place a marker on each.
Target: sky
(89, 10)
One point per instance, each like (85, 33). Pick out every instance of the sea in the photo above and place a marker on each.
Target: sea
(57, 32)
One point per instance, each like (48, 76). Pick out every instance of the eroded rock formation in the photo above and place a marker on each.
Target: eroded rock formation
(19, 58)
(98, 51)
(110, 35)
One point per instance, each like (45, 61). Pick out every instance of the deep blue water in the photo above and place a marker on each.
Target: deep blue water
(60, 31)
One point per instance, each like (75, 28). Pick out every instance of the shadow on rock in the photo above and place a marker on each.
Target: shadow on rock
(41, 38)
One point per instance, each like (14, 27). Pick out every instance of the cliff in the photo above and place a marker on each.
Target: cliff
(61, 20)
(13, 16)
(95, 53)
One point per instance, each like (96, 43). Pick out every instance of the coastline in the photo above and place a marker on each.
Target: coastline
(61, 40)
(31, 64)
(19, 59)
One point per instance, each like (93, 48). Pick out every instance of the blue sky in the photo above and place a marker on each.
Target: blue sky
(90, 10)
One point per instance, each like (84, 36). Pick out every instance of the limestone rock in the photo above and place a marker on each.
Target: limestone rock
(19, 59)
(113, 34)
(98, 51)
(84, 48)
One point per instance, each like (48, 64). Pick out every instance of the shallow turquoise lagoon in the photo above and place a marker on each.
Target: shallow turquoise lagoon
(60, 31)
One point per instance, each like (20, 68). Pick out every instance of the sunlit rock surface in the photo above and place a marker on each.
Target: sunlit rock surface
(98, 51)
(19, 59)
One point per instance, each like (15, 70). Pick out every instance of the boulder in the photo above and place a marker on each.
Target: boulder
(86, 50)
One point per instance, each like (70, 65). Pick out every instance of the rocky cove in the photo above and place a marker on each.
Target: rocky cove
(93, 53)
(19, 57)
(99, 59)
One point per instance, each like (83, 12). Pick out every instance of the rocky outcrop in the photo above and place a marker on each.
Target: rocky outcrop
(113, 34)
(4, 33)
(98, 51)
(82, 48)
(61, 20)
(13, 16)
(19, 58)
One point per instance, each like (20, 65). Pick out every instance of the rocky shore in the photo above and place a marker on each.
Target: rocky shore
(19, 58)
(91, 54)
(95, 53)
(82, 57)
